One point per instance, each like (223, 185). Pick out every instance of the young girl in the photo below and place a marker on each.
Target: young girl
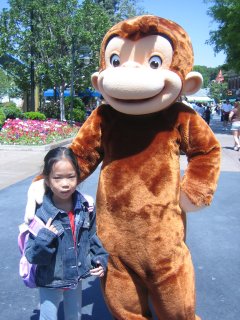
(67, 249)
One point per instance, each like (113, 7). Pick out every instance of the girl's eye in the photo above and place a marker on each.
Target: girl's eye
(155, 62)
(115, 60)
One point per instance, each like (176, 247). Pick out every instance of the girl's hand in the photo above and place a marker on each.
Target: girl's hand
(51, 227)
(98, 271)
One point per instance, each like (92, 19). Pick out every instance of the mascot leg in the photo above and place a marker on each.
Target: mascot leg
(125, 294)
(173, 293)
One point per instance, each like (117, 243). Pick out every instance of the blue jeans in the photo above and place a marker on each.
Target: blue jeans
(51, 298)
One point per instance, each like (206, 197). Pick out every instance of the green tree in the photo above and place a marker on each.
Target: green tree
(8, 86)
(110, 6)
(5, 85)
(227, 36)
(50, 34)
(121, 9)
(218, 91)
(207, 73)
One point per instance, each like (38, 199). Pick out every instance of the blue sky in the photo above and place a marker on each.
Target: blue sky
(192, 16)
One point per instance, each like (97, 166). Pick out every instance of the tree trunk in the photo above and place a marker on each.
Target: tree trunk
(62, 106)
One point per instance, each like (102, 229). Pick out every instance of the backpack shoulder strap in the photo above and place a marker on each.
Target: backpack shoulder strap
(22, 236)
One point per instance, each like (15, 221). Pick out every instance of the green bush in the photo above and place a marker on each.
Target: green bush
(11, 111)
(34, 115)
(51, 110)
(79, 111)
(2, 118)
(78, 115)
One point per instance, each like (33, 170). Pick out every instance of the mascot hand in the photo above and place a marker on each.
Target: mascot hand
(35, 195)
(186, 204)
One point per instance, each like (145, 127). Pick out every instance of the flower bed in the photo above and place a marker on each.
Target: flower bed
(35, 132)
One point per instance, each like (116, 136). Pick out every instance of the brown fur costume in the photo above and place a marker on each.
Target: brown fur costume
(139, 215)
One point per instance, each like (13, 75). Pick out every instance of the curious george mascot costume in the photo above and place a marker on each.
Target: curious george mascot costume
(138, 134)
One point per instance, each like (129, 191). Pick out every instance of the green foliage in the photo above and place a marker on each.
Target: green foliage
(4, 84)
(2, 118)
(218, 91)
(47, 34)
(227, 36)
(128, 9)
(79, 112)
(51, 110)
(11, 111)
(78, 115)
(121, 9)
(208, 74)
(77, 103)
(34, 115)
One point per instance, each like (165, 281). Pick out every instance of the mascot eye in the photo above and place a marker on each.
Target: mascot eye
(115, 60)
(155, 62)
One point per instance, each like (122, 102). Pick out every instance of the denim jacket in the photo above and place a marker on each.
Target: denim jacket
(60, 262)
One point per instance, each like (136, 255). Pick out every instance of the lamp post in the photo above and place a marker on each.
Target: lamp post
(72, 85)
(32, 71)
(86, 59)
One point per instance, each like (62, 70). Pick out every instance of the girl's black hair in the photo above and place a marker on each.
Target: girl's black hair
(57, 154)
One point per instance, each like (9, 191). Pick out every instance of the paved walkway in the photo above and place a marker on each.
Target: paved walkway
(213, 238)
(18, 163)
(21, 162)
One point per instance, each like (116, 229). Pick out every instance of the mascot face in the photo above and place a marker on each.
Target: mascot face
(139, 73)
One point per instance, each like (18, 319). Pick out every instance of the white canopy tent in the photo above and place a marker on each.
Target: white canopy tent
(200, 96)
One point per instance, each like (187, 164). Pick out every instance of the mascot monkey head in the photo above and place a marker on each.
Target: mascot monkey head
(145, 65)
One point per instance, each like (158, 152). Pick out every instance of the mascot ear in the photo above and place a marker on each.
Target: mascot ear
(192, 83)
(94, 80)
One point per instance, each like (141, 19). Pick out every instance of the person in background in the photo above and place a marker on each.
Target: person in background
(184, 100)
(67, 249)
(207, 114)
(218, 109)
(234, 117)
(226, 108)
(199, 108)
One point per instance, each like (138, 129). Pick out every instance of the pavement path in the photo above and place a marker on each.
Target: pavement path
(212, 235)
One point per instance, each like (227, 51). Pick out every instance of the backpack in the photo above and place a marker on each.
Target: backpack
(27, 271)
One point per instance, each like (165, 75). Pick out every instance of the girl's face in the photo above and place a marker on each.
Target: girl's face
(62, 180)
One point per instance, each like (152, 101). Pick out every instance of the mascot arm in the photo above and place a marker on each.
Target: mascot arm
(87, 145)
(203, 152)
(35, 195)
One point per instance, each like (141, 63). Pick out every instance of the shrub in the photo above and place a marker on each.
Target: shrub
(79, 111)
(51, 110)
(34, 115)
(78, 115)
(2, 118)
(11, 111)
